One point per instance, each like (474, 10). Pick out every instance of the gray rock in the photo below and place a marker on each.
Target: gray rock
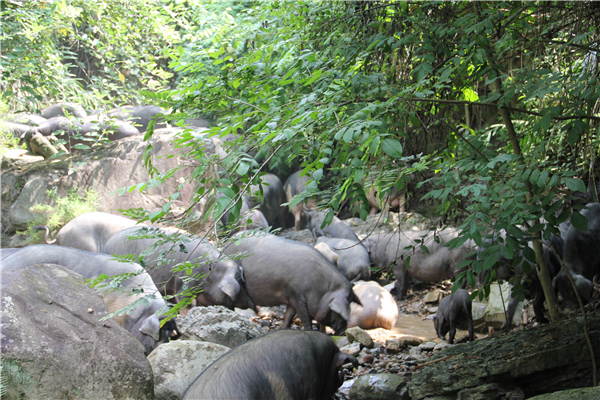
(105, 170)
(246, 314)
(340, 341)
(176, 364)
(55, 346)
(364, 357)
(441, 345)
(427, 346)
(550, 357)
(588, 393)
(219, 325)
(19, 157)
(409, 341)
(433, 297)
(356, 334)
(392, 345)
(415, 352)
(345, 388)
(353, 349)
(377, 387)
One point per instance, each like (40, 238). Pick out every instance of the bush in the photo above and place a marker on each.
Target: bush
(64, 210)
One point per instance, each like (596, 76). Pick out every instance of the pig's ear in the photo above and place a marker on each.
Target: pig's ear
(343, 358)
(231, 289)
(151, 327)
(341, 306)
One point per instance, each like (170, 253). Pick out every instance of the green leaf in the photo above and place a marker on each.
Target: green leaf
(575, 185)
(542, 179)
(392, 147)
(490, 260)
(243, 168)
(579, 221)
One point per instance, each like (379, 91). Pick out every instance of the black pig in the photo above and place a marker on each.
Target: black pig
(452, 309)
(285, 364)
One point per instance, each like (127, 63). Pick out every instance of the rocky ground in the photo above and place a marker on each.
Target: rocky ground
(398, 351)
(411, 343)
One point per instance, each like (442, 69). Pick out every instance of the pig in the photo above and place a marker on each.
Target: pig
(82, 131)
(256, 217)
(26, 119)
(353, 260)
(111, 128)
(143, 322)
(452, 310)
(336, 229)
(580, 259)
(281, 271)
(328, 253)
(295, 185)
(62, 110)
(392, 199)
(505, 271)
(441, 263)
(17, 129)
(164, 249)
(579, 253)
(285, 364)
(378, 310)
(139, 116)
(271, 199)
(62, 127)
(89, 231)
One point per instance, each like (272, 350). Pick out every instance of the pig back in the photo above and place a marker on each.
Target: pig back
(91, 231)
(220, 278)
(580, 247)
(353, 261)
(437, 264)
(286, 266)
(378, 309)
(281, 271)
(286, 364)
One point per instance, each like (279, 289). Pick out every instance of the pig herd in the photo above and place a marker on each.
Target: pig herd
(328, 282)
(74, 125)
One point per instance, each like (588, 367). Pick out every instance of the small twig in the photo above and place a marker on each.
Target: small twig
(433, 362)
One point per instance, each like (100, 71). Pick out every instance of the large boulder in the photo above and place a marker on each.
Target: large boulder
(378, 387)
(219, 325)
(176, 365)
(105, 169)
(55, 345)
(526, 363)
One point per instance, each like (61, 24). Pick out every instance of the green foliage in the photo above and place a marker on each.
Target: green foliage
(87, 52)
(411, 92)
(63, 210)
(7, 139)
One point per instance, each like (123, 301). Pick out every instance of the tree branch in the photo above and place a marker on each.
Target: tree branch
(493, 105)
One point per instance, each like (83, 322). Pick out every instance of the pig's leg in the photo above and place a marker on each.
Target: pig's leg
(452, 321)
(469, 315)
(538, 302)
(297, 211)
(511, 309)
(440, 327)
(302, 310)
(401, 283)
(290, 312)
